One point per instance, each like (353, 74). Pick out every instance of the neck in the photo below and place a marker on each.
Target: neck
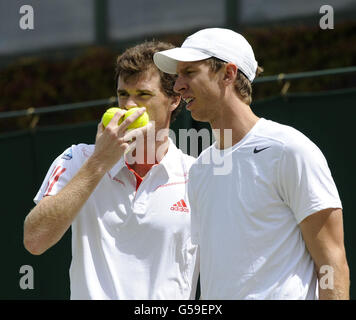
(235, 120)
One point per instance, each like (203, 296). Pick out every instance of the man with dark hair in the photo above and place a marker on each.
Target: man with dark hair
(270, 226)
(138, 59)
(130, 221)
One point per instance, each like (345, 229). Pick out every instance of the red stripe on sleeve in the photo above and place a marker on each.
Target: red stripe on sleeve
(55, 169)
(56, 176)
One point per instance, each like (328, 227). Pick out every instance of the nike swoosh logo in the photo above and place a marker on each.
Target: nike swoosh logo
(259, 150)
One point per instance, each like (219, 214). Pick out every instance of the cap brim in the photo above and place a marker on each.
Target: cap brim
(167, 60)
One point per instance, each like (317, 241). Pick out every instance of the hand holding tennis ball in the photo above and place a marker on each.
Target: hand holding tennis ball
(141, 121)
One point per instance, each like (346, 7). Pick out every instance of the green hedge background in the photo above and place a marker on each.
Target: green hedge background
(37, 81)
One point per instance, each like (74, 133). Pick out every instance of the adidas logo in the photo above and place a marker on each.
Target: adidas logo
(180, 206)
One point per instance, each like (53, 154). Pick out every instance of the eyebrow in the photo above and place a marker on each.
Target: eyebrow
(185, 69)
(137, 91)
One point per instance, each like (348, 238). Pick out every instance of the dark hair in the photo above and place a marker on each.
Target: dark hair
(243, 85)
(138, 59)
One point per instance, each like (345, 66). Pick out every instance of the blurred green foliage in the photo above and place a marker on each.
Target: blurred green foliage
(37, 82)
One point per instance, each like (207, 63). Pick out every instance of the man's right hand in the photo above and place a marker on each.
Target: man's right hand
(113, 140)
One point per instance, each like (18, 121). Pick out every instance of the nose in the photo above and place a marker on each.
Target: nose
(180, 85)
(130, 103)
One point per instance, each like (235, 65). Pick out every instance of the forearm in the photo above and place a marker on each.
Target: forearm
(50, 219)
(334, 281)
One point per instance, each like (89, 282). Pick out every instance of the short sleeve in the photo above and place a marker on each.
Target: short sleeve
(305, 181)
(59, 174)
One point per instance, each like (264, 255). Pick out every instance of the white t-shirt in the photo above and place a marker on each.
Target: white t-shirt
(246, 220)
(128, 243)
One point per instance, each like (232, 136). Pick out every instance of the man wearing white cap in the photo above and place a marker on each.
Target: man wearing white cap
(271, 227)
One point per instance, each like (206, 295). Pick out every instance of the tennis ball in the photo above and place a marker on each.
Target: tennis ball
(107, 116)
(141, 121)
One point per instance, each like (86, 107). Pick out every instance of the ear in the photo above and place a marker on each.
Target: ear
(175, 101)
(230, 73)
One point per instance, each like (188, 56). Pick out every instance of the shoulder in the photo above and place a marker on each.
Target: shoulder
(206, 153)
(176, 162)
(298, 156)
(77, 153)
(186, 159)
(84, 150)
(202, 163)
(287, 138)
(176, 154)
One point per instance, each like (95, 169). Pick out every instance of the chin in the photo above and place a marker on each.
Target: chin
(199, 117)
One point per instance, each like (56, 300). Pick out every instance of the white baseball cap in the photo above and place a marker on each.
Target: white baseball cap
(224, 44)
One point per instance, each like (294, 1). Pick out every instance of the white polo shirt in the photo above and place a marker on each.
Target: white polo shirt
(246, 220)
(128, 243)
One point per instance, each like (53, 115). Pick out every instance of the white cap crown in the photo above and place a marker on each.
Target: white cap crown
(223, 44)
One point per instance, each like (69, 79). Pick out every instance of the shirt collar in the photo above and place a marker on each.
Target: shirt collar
(169, 162)
(117, 167)
(171, 159)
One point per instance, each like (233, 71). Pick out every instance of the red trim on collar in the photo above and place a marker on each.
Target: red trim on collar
(139, 179)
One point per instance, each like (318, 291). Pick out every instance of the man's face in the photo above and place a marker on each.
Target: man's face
(145, 90)
(199, 87)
